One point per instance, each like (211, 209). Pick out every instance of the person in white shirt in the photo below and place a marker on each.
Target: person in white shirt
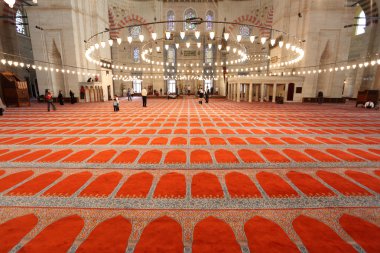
(144, 95)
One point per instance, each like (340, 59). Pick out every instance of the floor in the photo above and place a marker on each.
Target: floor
(177, 176)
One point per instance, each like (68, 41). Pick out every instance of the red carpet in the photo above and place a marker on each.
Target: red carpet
(241, 186)
(317, 237)
(308, 185)
(109, 236)
(206, 185)
(14, 179)
(102, 186)
(366, 234)
(171, 185)
(265, 236)
(161, 235)
(275, 186)
(137, 186)
(68, 186)
(57, 237)
(12, 231)
(214, 235)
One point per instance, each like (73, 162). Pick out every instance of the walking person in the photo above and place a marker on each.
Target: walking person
(72, 98)
(60, 98)
(207, 95)
(49, 100)
(118, 103)
(144, 95)
(201, 94)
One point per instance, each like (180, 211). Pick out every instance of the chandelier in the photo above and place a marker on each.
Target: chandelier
(10, 2)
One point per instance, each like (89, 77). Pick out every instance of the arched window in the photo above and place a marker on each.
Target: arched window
(190, 13)
(361, 23)
(209, 17)
(245, 31)
(20, 27)
(170, 19)
(135, 31)
(136, 54)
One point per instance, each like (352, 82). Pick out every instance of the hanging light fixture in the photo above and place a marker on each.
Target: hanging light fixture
(118, 41)
(154, 36)
(210, 46)
(281, 44)
(272, 42)
(287, 45)
(198, 44)
(226, 36)
(10, 2)
(167, 35)
(252, 38)
(228, 48)
(263, 40)
(129, 39)
(141, 37)
(187, 44)
(197, 34)
(176, 45)
(212, 35)
(219, 46)
(158, 49)
(167, 47)
(182, 34)
(103, 44)
(238, 38)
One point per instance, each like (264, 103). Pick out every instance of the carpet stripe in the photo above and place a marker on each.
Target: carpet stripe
(13, 154)
(309, 185)
(109, 236)
(85, 141)
(49, 141)
(127, 156)
(214, 235)
(12, 231)
(265, 236)
(344, 155)
(159, 141)
(274, 156)
(365, 154)
(291, 141)
(320, 156)
(140, 141)
(236, 141)
(13, 179)
(249, 156)
(341, 184)
(56, 156)
(171, 185)
(206, 185)
(225, 156)
(217, 141)
(275, 186)
(79, 156)
(32, 156)
(151, 157)
(161, 235)
(136, 186)
(297, 156)
(32, 141)
(102, 186)
(56, 237)
(366, 234)
(241, 186)
(68, 186)
(103, 156)
(200, 156)
(198, 141)
(365, 179)
(36, 184)
(175, 156)
(318, 237)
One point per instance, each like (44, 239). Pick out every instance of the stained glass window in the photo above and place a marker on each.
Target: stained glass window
(361, 23)
(135, 31)
(245, 31)
(190, 13)
(20, 27)
(209, 17)
(136, 54)
(170, 24)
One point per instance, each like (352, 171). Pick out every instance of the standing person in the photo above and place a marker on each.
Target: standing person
(115, 105)
(160, 91)
(60, 98)
(82, 92)
(72, 98)
(201, 93)
(132, 93)
(144, 95)
(188, 90)
(49, 100)
(129, 94)
(207, 95)
(118, 103)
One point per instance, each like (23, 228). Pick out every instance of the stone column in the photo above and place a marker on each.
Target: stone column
(238, 92)
(250, 93)
(262, 92)
(257, 93)
(286, 92)
(274, 93)
(234, 91)
(228, 91)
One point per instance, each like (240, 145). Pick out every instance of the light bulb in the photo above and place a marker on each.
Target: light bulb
(198, 44)
(182, 34)
(103, 44)
(154, 36)
(238, 38)
(281, 44)
(97, 46)
(272, 42)
(209, 46)
(228, 48)
(287, 45)
(187, 44)
(177, 45)
(118, 41)
(252, 38)
(158, 49)
(110, 42)
(212, 35)
(167, 35)
(141, 37)
(219, 46)
(197, 34)
(234, 50)
(263, 40)
(3, 61)
(226, 36)
(167, 47)
(129, 39)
